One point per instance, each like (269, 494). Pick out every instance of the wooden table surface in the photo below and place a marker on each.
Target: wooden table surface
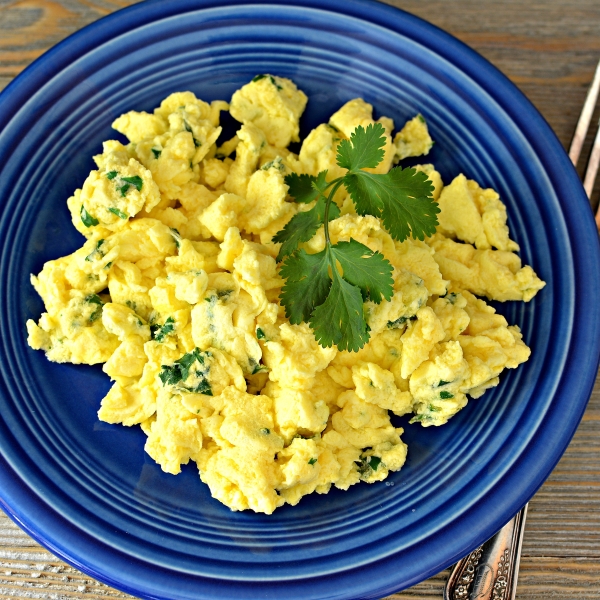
(549, 48)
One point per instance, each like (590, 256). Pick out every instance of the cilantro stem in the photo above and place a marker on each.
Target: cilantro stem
(338, 182)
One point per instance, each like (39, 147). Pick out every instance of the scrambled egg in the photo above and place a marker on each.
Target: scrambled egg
(176, 290)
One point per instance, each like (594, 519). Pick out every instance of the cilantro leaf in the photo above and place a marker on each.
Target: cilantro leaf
(302, 227)
(364, 149)
(401, 199)
(332, 303)
(307, 284)
(339, 320)
(306, 188)
(367, 270)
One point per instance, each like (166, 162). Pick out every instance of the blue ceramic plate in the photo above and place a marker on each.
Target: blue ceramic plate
(87, 491)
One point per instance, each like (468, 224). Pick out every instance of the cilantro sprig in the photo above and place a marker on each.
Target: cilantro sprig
(328, 289)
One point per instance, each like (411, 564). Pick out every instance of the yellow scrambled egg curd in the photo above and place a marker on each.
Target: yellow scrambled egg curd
(176, 290)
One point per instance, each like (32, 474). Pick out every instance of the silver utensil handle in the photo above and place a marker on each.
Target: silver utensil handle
(491, 571)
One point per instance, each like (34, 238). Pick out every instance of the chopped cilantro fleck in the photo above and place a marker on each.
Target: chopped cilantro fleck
(271, 79)
(442, 382)
(197, 143)
(160, 333)
(176, 237)
(203, 387)
(260, 334)
(86, 218)
(418, 418)
(367, 465)
(111, 175)
(118, 213)
(312, 461)
(135, 180)
(97, 312)
(259, 369)
(157, 152)
(179, 372)
(95, 252)
(265, 431)
(374, 462)
(446, 395)
(255, 366)
(397, 323)
(123, 189)
(276, 163)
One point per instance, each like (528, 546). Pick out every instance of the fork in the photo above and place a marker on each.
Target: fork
(491, 571)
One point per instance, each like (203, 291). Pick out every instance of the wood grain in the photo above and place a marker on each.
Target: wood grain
(549, 49)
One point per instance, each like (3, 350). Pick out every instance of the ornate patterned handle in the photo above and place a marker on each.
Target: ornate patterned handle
(491, 571)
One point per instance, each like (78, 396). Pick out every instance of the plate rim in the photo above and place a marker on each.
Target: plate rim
(31, 76)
